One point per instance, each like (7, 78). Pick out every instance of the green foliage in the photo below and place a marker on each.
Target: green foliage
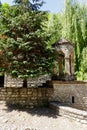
(82, 74)
(54, 28)
(24, 43)
(75, 30)
(72, 25)
(27, 35)
(26, 5)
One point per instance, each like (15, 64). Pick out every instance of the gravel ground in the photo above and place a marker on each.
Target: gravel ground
(35, 119)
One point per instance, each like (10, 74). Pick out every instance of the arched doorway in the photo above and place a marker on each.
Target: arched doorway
(61, 64)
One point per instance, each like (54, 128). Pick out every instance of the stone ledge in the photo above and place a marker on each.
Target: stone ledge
(66, 82)
(78, 115)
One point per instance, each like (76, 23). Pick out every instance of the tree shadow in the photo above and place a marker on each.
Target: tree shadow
(39, 111)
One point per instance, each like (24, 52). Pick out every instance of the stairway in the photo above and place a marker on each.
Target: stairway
(72, 113)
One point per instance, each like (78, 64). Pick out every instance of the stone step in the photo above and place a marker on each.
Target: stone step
(73, 113)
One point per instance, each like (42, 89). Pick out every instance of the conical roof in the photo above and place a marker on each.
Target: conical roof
(61, 41)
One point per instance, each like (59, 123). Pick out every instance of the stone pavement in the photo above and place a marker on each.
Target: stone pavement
(35, 119)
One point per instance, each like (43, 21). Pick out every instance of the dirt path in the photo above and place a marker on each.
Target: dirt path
(35, 119)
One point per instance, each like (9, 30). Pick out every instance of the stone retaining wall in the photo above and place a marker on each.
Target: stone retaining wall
(73, 93)
(27, 97)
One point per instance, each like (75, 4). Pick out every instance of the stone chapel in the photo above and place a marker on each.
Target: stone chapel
(65, 51)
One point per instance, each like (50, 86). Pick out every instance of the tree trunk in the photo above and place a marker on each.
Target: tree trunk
(25, 83)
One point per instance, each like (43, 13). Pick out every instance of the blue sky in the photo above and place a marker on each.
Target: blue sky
(53, 6)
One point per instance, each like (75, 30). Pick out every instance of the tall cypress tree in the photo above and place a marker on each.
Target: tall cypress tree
(73, 24)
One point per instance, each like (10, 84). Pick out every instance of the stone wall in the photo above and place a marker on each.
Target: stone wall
(12, 82)
(72, 93)
(27, 97)
(31, 82)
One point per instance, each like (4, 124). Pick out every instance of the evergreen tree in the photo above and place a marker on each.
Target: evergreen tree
(24, 48)
(0, 3)
(27, 4)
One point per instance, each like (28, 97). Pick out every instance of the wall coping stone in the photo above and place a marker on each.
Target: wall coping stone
(66, 82)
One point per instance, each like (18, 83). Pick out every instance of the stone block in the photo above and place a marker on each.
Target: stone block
(2, 98)
(9, 93)
(35, 93)
(30, 92)
(23, 91)
(33, 98)
(3, 90)
(23, 95)
(14, 90)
